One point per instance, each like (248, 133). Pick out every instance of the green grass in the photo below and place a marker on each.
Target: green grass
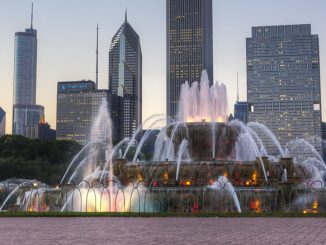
(199, 215)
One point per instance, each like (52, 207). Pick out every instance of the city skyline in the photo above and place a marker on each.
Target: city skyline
(75, 34)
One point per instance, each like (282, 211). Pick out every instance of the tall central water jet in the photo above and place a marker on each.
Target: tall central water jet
(200, 102)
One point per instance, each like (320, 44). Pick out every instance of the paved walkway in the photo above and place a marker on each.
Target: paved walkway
(120, 231)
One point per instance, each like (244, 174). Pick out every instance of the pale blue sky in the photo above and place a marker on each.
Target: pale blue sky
(66, 42)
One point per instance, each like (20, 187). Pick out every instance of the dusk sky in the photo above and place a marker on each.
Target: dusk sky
(67, 39)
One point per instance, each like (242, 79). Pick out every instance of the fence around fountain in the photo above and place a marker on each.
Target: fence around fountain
(138, 199)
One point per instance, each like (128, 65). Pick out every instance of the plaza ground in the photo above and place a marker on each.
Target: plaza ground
(123, 230)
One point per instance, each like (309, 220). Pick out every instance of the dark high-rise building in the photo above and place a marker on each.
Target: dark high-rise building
(283, 81)
(2, 122)
(189, 33)
(323, 130)
(44, 131)
(78, 104)
(25, 82)
(241, 111)
(125, 80)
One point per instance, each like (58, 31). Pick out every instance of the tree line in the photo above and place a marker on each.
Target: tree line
(45, 161)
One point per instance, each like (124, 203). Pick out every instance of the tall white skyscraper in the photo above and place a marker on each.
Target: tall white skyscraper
(26, 114)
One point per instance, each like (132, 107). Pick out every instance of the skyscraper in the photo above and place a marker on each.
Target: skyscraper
(78, 104)
(283, 76)
(189, 33)
(125, 80)
(2, 122)
(25, 81)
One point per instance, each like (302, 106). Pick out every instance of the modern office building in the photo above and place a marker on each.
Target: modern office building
(125, 81)
(2, 122)
(25, 110)
(323, 129)
(283, 81)
(189, 33)
(241, 111)
(78, 103)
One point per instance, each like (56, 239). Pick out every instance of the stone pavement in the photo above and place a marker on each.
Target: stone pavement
(111, 230)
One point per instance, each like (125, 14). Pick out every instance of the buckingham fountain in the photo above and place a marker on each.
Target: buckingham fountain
(199, 162)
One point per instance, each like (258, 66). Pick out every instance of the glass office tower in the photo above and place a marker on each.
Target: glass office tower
(26, 114)
(125, 81)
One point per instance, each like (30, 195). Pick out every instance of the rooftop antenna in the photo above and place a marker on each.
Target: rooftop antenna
(32, 17)
(97, 57)
(237, 87)
(126, 20)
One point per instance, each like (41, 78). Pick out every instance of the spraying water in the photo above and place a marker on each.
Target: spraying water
(200, 102)
(223, 183)
(183, 154)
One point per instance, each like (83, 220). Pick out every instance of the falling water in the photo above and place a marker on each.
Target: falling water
(300, 149)
(13, 192)
(114, 151)
(267, 132)
(159, 144)
(245, 142)
(167, 149)
(213, 139)
(144, 138)
(223, 183)
(74, 160)
(183, 154)
(139, 130)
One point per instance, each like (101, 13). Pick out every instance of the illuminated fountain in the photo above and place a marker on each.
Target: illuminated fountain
(198, 163)
(200, 102)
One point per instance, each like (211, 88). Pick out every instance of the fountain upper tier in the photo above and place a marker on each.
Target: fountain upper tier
(207, 141)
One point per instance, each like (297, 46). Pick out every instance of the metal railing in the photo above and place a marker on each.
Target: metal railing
(153, 197)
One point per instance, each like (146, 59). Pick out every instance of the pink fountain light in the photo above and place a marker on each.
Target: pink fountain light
(203, 103)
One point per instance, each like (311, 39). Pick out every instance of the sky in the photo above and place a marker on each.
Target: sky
(67, 42)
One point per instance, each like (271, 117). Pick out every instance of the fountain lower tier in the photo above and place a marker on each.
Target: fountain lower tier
(202, 186)
(203, 173)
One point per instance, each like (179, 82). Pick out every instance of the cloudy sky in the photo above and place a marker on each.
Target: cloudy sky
(67, 38)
